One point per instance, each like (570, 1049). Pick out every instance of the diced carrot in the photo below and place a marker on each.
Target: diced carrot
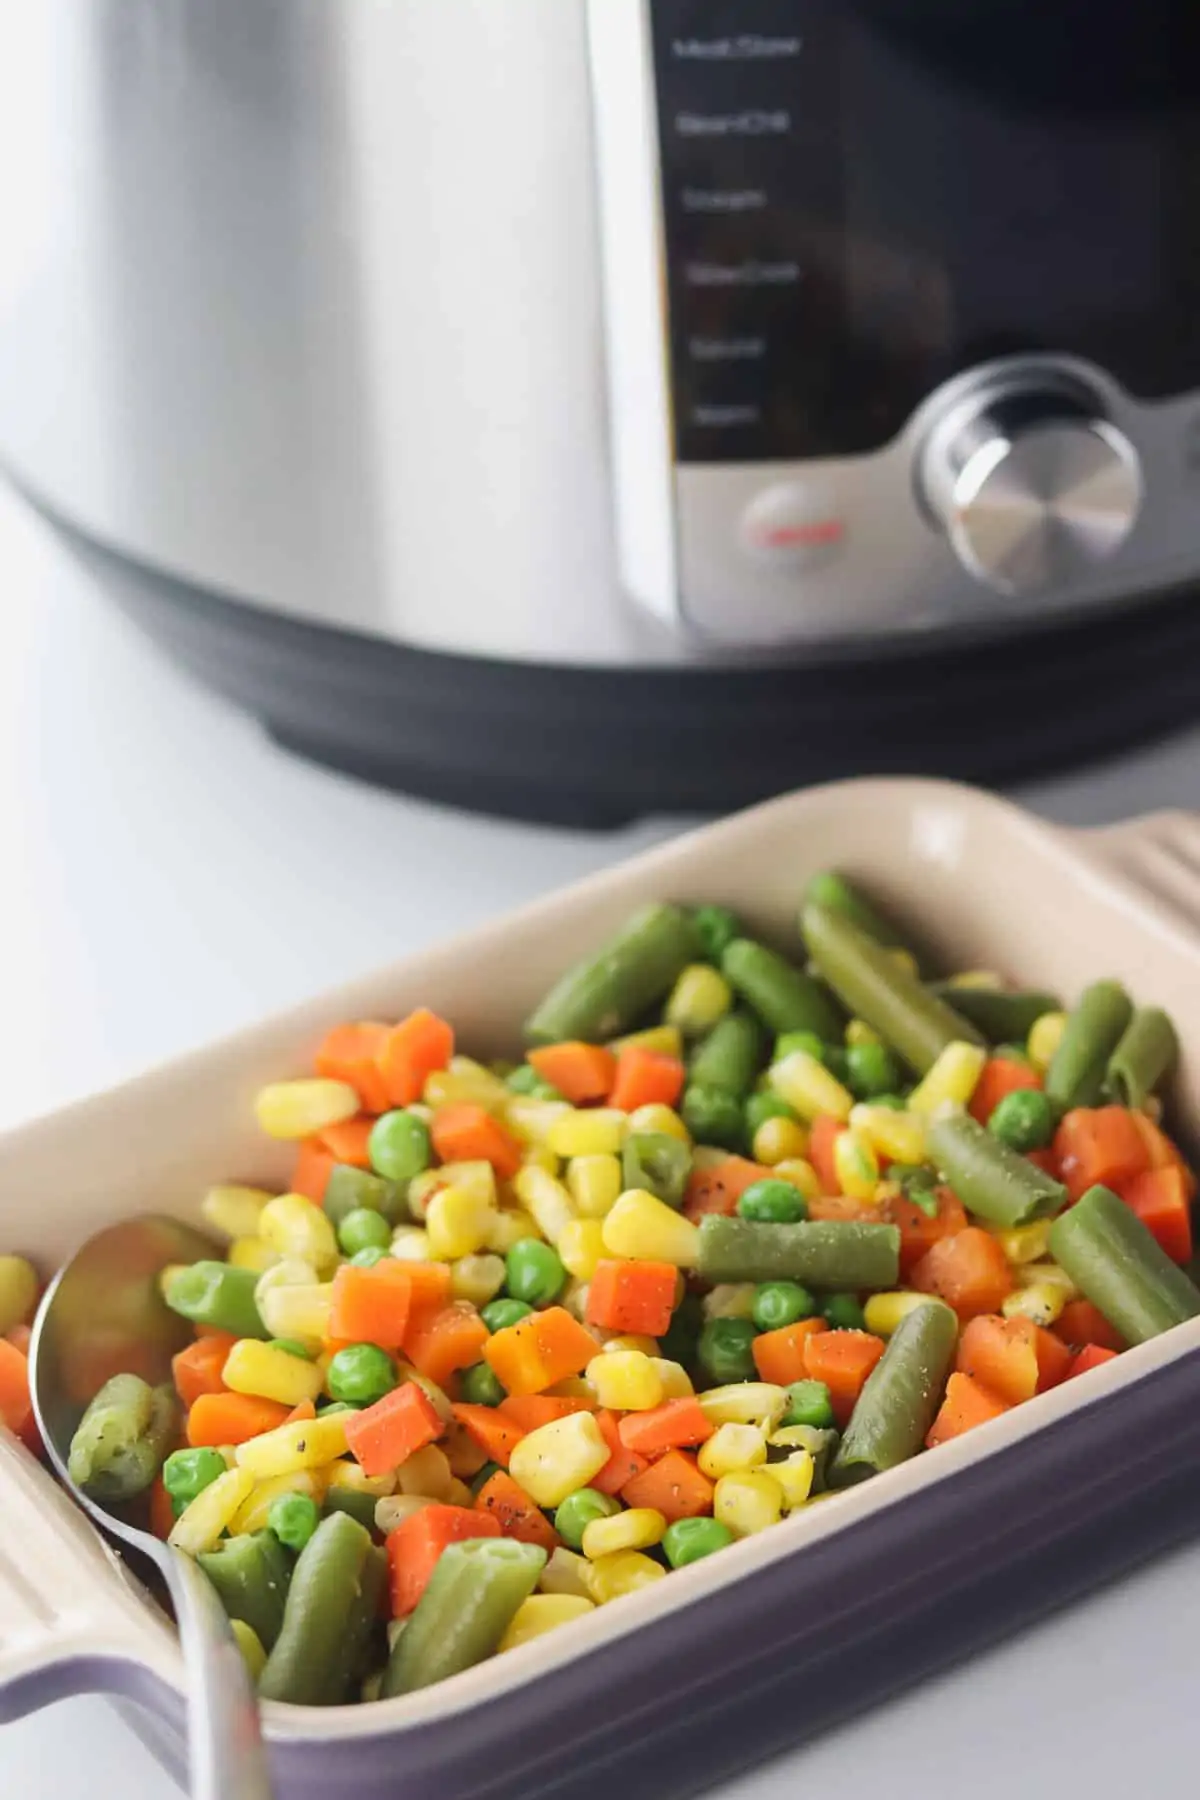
(1159, 1197)
(496, 1434)
(301, 1413)
(719, 1188)
(1162, 1152)
(352, 1053)
(1081, 1323)
(468, 1133)
(347, 1142)
(1092, 1356)
(822, 1141)
(372, 1306)
(999, 1078)
(673, 1486)
(1045, 1160)
(452, 1339)
(919, 1231)
(411, 1053)
(429, 1292)
(384, 1435)
(162, 1513)
(197, 1370)
(842, 1360)
(311, 1171)
(779, 1355)
(1001, 1355)
(528, 1411)
(1099, 1144)
(20, 1337)
(965, 1406)
(632, 1297)
(969, 1271)
(646, 1078)
(623, 1464)
(673, 1426)
(843, 1209)
(539, 1351)
(216, 1419)
(582, 1073)
(16, 1406)
(415, 1545)
(514, 1512)
(1053, 1359)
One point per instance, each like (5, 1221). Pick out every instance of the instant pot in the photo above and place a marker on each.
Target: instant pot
(570, 407)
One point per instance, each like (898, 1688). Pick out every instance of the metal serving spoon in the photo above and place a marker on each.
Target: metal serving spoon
(104, 1315)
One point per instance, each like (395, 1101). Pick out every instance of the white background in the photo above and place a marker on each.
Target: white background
(166, 875)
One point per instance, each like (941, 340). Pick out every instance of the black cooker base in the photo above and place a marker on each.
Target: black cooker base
(598, 747)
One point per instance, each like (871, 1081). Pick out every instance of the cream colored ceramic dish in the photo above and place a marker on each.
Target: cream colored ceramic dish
(892, 1563)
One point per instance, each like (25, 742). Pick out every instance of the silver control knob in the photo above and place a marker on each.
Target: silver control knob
(1032, 487)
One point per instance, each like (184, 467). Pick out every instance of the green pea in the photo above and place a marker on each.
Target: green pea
(790, 1041)
(526, 1080)
(367, 1259)
(480, 1387)
(1024, 1120)
(292, 1347)
(482, 1476)
(687, 1540)
(772, 1203)
(809, 1403)
(761, 1107)
(835, 1062)
(187, 1473)
(326, 1407)
(361, 1374)
(717, 927)
(780, 1303)
(843, 1312)
(871, 1070)
(725, 1350)
(498, 1315)
(363, 1229)
(577, 1512)
(713, 1116)
(399, 1145)
(533, 1272)
(293, 1518)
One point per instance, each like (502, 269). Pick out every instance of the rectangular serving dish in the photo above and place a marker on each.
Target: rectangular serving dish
(745, 1652)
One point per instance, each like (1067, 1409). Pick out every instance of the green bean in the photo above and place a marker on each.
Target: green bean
(351, 1190)
(331, 1607)
(837, 895)
(900, 1398)
(824, 1253)
(1115, 1261)
(784, 998)
(730, 1056)
(992, 1181)
(213, 1293)
(353, 1501)
(608, 993)
(1145, 1055)
(251, 1575)
(122, 1440)
(475, 1589)
(716, 927)
(658, 1163)
(1002, 1018)
(1093, 1031)
(872, 986)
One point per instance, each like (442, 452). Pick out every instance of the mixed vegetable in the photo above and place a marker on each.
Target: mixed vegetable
(738, 1232)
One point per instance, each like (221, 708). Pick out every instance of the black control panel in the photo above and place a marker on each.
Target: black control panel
(862, 199)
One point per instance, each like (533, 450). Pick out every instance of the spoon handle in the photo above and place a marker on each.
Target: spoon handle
(226, 1753)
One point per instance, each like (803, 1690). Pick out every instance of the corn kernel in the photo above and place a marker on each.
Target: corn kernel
(297, 1109)
(659, 1118)
(304, 1444)
(801, 1174)
(509, 1226)
(477, 1177)
(462, 1452)
(439, 1400)
(426, 1472)
(351, 1479)
(1045, 1035)
(477, 1278)
(1047, 1273)
(630, 1340)
(459, 1494)
(625, 1380)
(546, 1199)
(235, 1211)
(732, 1447)
(748, 1501)
(1025, 1243)
(665, 1040)
(573, 1388)
(574, 1297)
(538, 1156)
(1153, 1108)
(589, 1131)
(465, 1082)
(643, 1227)
(883, 1312)
(297, 1312)
(900, 1136)
(952, 1079)
(394, 1509)
(809, 1088)
(855, 1164)
(542, 1613)
(201, 1523)
(676, 1382)
(794, 1477)
(251, 1253)
(565, 1573)
(638, 1528)
(699, 1000)
(790, 1437)
(272, 1374)
(411, 1244)
(1041, 1301)
(251, 1516)
(166, 1276)
(555, 1459)
(594, 1184)
(294, 1227)
(612, 1577)
(745, 1403)
(532, 1120)
(581, 1247)
(285, 1271)
(457, 1223)
(779, 1140)
(859, 1034)
(985, 979)
(730, 1300)
(905, 961)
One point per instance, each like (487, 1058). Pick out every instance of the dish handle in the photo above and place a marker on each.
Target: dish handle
(1158, 856)
(71, 1616)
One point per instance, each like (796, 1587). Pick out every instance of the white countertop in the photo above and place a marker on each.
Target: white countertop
(169, 875)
